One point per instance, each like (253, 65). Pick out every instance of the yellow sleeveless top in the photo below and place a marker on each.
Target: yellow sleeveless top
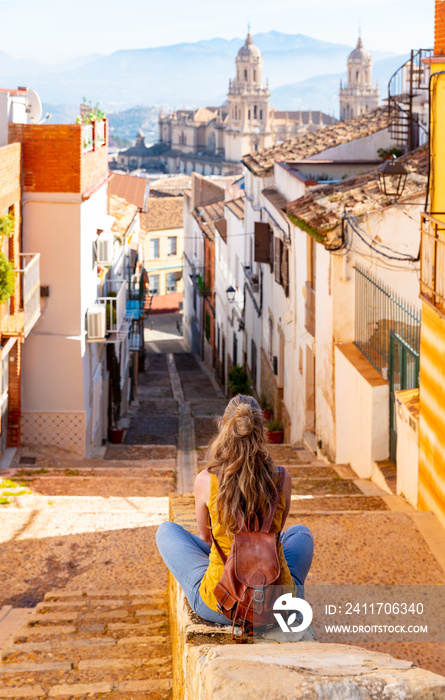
(215, 569)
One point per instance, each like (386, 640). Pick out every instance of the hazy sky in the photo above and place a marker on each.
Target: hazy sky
(58, 30)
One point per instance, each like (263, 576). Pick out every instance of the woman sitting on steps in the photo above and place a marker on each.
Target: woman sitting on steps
(240, 477)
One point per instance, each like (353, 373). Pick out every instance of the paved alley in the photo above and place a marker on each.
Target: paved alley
(78, 540)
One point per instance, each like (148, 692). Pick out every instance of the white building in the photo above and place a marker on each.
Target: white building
(84, 268)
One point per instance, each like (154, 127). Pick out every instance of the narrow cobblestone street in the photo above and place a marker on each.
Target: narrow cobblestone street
(79, 543)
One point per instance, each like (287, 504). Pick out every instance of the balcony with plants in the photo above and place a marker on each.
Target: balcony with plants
(19, 295)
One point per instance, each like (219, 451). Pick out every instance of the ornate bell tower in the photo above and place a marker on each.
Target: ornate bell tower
(359, 96)
(248, 104)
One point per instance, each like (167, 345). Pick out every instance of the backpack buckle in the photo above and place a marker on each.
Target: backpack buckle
(258, 595)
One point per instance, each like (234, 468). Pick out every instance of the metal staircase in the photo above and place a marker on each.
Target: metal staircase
(407, 99)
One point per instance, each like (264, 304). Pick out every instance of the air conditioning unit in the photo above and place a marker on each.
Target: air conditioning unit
(96, 323)
(105, 250)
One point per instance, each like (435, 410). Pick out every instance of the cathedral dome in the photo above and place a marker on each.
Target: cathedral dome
(249, 52)
(359, 55)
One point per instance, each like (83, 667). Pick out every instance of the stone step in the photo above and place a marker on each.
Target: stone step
(154, 645)
(303, 471)
(335, 485)
(82, 642)
(140, 452)
(328, 502)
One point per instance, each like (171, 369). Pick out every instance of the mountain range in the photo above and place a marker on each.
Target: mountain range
(303, 73)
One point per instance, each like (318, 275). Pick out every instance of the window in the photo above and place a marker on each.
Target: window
(255, 112)
(171, 282)
(153, 283)
(248, 114)
(171, 245)
(154, 248)
(207, 326)
(261, 115)
(254, 75)
(245, 75)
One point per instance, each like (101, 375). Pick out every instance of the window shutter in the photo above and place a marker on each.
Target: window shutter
(261, 242)
(270, 248)
(285, 270)
(278, 243)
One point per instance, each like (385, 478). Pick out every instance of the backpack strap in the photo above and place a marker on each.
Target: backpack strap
(217, 547)
(267, 523)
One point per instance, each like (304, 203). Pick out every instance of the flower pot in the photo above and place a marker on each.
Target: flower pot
(275, 436)
(267, 415)
(116, 435)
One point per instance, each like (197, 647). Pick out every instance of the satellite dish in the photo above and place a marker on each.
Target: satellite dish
(33, 106)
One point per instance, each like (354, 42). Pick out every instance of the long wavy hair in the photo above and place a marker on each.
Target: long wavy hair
(238, 455)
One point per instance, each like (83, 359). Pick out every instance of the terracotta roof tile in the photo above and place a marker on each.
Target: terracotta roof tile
(123, 213)
(163, 213)
(208, 215)
(236, 206)
(322, 210)
(133, 189)
(261, 162)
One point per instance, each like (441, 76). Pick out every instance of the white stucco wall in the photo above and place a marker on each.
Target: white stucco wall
(361, 149)
(58, 364)
(407, 453)
(362, 411)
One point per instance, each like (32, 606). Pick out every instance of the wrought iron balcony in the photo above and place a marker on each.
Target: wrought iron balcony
(27, 280)
(309, 321)
(432, 259)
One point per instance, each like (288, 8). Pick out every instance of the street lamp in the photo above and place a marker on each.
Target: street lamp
(230, 291)
(392, 177)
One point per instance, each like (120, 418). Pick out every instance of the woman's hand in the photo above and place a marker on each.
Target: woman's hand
(202, 494)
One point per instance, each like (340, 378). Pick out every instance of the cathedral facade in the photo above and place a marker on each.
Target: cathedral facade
(212, 140)
(358, 96)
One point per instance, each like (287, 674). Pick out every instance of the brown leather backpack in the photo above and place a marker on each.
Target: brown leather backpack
(246, 592)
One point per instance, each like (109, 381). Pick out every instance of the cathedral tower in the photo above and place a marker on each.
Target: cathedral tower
(248, 105)
(359, 96)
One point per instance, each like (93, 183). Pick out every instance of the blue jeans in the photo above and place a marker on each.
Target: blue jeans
(187, 557)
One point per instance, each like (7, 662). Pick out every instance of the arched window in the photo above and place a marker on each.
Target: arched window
(245, 75)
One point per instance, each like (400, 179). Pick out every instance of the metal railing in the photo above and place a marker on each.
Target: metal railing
(432, 259)
(115, 304)
(309, 319)
(378, 311)
(27, 278)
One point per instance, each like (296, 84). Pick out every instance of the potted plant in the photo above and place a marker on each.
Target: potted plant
(238, 381)
(266, 406)
(116, 433)
(275, 431)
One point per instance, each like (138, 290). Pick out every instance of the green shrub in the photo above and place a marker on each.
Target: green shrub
(6, 225)
(6, 279)
(239, 382)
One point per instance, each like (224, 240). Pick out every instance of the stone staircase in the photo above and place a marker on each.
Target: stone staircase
(78, 644)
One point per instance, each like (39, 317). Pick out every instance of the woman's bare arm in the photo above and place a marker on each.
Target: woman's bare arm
(202, 494)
